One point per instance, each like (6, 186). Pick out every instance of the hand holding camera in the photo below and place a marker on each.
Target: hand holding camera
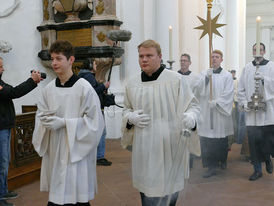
(37, 76)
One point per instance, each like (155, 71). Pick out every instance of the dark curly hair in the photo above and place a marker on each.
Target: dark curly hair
(61, 46)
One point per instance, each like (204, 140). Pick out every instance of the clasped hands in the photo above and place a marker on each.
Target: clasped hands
(139, 119)
(50, 121)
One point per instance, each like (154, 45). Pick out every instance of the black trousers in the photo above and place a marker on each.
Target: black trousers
(214, 151)
(168, 200)
(261, 143)
(77, 204)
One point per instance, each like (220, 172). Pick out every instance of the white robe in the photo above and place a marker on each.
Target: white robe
(192, 80)
(193, 147)
(69, 154)
(246, 88)
(222, 86)
(159, 160)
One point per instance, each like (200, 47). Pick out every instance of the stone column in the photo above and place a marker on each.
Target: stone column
(220, 42)
(242, 35)
(167, 14)
(188, 37)
(271, 49)
(232, 35)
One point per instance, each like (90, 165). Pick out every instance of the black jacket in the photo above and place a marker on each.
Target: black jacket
(90, 77)
(7, 93)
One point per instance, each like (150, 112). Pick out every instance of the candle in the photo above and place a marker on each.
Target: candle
(170, 42)
(258, 35)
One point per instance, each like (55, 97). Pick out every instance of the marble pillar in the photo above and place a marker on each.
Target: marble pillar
(232, 36)
(167, 14)
(188, 36)
(242, 35)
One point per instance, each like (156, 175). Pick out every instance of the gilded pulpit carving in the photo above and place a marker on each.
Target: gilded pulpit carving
(75, 21)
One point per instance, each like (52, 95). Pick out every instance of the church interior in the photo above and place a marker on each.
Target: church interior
(29, 27)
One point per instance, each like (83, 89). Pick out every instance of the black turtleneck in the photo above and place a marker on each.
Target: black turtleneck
(72, 80)
(217, 71)
(184, 73)
(154, 76)
(263, 62)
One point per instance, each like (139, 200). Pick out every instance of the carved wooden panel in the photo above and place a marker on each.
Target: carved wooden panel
(22, 149)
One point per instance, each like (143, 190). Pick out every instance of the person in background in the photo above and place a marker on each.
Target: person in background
(259, 124)
(192, 78)
(7, 122)
(87, 72)
(217, 122)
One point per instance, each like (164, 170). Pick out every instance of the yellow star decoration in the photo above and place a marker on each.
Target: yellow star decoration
(214, 26)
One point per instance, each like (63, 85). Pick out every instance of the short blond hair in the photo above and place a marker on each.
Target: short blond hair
(217, 51)
(151, 43)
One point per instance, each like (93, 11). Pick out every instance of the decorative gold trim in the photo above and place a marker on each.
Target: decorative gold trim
(45, 41)
(45, 10)
(100, 7)
(101, 37)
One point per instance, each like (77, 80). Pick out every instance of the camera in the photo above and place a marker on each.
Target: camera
(43, 75)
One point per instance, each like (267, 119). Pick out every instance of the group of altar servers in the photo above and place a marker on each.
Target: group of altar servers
(167, 116)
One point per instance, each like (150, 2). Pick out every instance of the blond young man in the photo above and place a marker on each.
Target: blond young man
(159, 105)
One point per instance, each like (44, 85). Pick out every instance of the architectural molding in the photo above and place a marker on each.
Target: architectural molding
(5, 46)
(10, 9)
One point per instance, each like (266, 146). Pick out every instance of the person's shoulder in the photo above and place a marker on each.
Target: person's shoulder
(134, 79)
(51, 84)
(271, 63)
(83, 82)
(225, 72)
(172, 74)
(249, 64)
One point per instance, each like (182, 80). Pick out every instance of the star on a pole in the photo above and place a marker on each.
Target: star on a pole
(205, 27)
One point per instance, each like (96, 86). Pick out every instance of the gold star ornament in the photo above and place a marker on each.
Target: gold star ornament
(210, 24)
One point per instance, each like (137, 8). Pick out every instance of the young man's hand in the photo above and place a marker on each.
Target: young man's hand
(53, 122)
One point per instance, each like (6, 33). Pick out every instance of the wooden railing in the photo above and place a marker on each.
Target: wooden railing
(25, 163)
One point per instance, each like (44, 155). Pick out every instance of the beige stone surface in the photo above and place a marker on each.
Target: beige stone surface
(229, 187)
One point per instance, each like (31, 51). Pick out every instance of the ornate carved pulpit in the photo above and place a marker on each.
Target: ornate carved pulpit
(85, 24)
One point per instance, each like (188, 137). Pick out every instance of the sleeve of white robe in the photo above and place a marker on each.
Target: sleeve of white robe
(225, 100)
(40, 137)
(269, 83)
(84, 133)
(188, 101)
(241, 93)
(127, 134)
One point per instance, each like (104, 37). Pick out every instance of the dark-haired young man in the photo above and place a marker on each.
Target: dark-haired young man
(259, 124)
(87, 72)
(7, 121)
(68, 128)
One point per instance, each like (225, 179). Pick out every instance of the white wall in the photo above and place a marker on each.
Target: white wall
(19, 29)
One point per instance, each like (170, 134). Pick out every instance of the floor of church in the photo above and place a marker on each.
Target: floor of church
(229, 187)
